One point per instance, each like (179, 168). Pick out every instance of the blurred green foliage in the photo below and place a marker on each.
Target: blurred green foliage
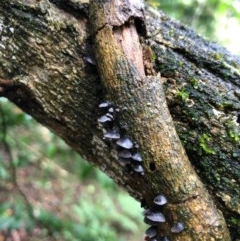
(64, 198)
(218, 20)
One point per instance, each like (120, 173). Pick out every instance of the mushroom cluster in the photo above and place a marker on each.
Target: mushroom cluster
(154, 217)
(128, 153)
(130, 158)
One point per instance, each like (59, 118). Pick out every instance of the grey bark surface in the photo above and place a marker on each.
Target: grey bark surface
(45, 48)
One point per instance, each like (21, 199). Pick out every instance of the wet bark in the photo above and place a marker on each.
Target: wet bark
(46, 68)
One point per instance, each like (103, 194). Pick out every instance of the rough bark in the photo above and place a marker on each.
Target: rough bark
(45, 53)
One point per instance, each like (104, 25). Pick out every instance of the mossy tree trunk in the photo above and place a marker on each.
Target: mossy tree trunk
(46, 69)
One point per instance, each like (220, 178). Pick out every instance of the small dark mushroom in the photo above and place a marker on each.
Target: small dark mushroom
(151, 231)
(154, 218)
(124, 154)
(137, 157)
(104, 119)
(125, 143)
(138, 168)
(112, 134)
(160, 200)
(177, 227)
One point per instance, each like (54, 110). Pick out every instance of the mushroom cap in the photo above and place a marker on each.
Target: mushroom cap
(151, 231)
(137, 157)
(160, 200)
(110, 116)
(104, 104)
(104, 119)
(125, 143)
(90, 60)
(154, 217)
(112, 134)
(124, 154)
(138, 168)
(111, 110)
(177, 227)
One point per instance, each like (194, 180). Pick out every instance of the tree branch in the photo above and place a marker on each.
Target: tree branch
(166, 166)
(44, 50)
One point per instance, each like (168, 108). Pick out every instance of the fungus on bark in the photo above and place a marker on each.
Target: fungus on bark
(160, 200)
